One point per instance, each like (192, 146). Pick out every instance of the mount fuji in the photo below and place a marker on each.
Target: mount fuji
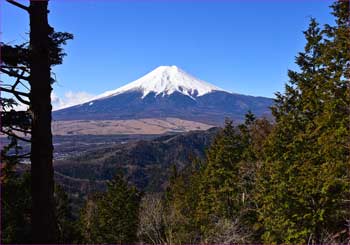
(168, 92)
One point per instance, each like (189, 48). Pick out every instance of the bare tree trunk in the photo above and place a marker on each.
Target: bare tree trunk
(43, 223)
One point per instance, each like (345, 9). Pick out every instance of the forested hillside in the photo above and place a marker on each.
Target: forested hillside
(281, 183)
(145, 163)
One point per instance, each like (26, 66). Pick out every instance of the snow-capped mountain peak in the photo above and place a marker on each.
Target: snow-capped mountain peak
(167, 92)
(165, 80)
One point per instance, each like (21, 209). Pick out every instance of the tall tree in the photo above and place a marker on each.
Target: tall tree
(36, 59)
(305, 177)
(43, 216)
(218, 189)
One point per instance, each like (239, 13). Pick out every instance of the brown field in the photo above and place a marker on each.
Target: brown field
(139, 126)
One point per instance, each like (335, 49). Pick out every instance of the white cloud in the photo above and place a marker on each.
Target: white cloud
(20, 107)
(70, 98)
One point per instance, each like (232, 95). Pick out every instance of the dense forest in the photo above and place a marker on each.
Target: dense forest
(261, 181)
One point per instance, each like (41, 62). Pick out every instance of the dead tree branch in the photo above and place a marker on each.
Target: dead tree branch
(18, 5)
(17, 94)
(12, 73)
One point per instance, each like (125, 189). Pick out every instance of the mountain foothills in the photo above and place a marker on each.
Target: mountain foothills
(145, 163)
(167, 92)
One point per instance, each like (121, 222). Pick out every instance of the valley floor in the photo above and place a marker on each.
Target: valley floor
(135, 126)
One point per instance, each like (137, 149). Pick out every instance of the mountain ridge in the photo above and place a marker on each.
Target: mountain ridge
(165, 92)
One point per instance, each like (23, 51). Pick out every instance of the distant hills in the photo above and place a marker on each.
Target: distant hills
(147, 163)
(167, 92)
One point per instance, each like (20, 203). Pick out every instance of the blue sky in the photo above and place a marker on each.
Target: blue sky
(242, 46)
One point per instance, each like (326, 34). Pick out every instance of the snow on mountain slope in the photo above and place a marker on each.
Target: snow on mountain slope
(167, 92)
(165, 80)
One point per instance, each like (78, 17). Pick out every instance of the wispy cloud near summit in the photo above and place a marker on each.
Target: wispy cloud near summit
(70, 99)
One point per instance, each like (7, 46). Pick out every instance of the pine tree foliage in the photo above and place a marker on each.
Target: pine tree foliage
(212, 201)
(181, 200)
(16, 217)
(112, 217)
(305, 178)
(66, 227)
(16, 209)
(218, 190)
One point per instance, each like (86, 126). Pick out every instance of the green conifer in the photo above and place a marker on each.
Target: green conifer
(305, 177)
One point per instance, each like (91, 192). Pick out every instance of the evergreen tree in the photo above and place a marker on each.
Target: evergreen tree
(305, 177)
(213, 201)
(181, 199)
(253, 135)
(16, 209)
(112, 217)
(66, 227)
(16, 216)
(219, 188)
